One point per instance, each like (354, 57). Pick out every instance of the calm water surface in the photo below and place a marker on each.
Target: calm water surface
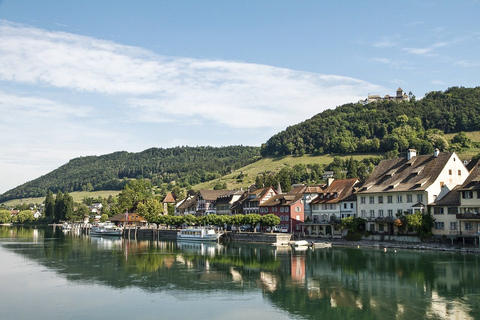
(46, 274)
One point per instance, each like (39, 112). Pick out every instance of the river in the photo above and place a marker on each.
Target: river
(48, 274)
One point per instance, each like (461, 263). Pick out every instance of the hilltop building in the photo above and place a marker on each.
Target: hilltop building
(399, 97)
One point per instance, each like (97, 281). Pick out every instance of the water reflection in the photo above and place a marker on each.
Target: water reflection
(332, 283)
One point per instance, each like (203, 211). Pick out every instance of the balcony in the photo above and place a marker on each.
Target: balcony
(468, 216)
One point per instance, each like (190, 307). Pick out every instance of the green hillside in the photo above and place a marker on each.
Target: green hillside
(184, 165)
(383, 126)
(245, 176)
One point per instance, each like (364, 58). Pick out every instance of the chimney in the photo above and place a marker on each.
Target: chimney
(279, 188)
(411, 153)
(436, 152)
(329, 181)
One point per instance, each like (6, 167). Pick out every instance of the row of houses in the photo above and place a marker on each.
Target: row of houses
(439, 184)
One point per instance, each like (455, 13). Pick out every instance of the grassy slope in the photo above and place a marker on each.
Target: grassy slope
(77, 197)
(268, 165)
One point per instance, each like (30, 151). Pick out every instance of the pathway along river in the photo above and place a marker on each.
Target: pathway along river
(46, 274)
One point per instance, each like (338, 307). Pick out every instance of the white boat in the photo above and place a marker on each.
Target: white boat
(106, 229)
(198, 234)
(301, 243)
(66, 227)
(321, 245)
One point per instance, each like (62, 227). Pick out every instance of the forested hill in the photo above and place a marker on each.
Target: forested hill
(184, 165)
(383, 126)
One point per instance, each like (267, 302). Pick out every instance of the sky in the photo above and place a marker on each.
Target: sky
(80, 78)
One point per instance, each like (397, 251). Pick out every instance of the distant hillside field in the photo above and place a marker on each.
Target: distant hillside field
(271, 164)
(77, 197)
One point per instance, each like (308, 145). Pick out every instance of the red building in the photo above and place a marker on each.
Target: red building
(288, 207)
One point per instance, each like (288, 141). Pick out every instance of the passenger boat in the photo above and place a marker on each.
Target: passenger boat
(198, 234)
(106, 229)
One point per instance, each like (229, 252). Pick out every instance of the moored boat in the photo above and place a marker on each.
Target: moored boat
(198, 234)
(106, 229)
(321, 245)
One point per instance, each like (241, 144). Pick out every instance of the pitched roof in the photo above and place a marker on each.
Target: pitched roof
(282, 200)
(188, 202)
(259, 194)
(120, 217)
(338, 190)
(473, 180)
(212, 195)
(395, 175)
(169, 198)
(450, 199)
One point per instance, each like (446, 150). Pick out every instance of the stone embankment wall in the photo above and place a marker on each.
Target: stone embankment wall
(257, 237)
(260, 237)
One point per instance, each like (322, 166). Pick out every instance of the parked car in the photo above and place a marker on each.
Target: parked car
(284, 229)
(275, 229)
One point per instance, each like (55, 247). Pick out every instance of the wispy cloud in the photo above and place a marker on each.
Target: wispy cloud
(387, 42)
(465, 63)
(426, 51)
(165, 89)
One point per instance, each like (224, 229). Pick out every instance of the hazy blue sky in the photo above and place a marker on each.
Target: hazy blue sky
(82, 78)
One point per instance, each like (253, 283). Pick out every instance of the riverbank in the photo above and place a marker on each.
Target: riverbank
(392, 245)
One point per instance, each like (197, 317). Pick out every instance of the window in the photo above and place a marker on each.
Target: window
(372, 213)
(450, 172)
(419, 197)
(467, 195)
(351, 205)
(478, 194)
(371, 200)
(344, 206)
(362, 199)
(287, 209)
(380, 213)
(399, 211)
(399, 199)
(452, 210)
(439, 225)
(389, 199)
(468, 226)
(298, 217)
(380, 199)
(381, 227)
(459, 172)
(286, 218)
(281, 218)
(298, 209)
(453, 226)
(390, 213)
(409, 198)
(438, 210)
(364, 213)
(409, 211)
(281, 209)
